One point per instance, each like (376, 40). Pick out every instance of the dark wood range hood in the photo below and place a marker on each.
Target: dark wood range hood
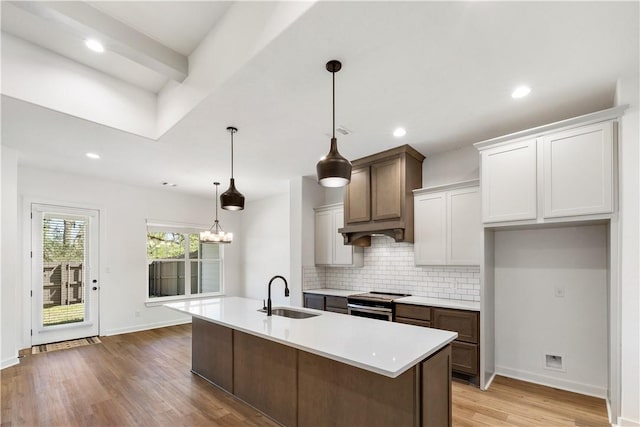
(379, 199)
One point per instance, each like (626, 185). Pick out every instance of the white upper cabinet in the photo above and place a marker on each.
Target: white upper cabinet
(430, 229)
(578, 171)
(554, 173)
(329, 244)
(323, 241)
(509, 182)
(464, 226)
(447, 225)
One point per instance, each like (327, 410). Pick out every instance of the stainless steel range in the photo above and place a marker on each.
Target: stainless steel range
(375, 305)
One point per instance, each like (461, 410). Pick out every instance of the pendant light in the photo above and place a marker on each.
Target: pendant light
(232, 199)
(216, 234)
(333, 169)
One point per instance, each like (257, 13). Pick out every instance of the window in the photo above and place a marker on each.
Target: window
(181, 266)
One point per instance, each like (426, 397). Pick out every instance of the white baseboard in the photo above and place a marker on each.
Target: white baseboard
(532, 377)
(625, 422)
(493, 376)
(145, 327)
(11, 361)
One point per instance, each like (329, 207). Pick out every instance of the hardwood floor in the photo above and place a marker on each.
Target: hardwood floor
(144, 379)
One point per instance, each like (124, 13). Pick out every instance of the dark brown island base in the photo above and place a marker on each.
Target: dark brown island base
(298, 388)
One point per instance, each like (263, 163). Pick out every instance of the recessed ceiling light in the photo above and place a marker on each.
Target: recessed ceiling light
(94, 45)
(520, 92)
(93, 155)
(399, 132)
(169, 184)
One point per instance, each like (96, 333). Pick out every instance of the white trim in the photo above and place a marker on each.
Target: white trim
(159, 301)
(532, 377)
(488, 384)
(625, 422)
(445, 187)
(145, 327)
(328, 207)
(11, 361)
(595, 117)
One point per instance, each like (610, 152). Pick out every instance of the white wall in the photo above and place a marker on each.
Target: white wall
(264, 238)
(123, 210)
(9, 310)
(530, 321)
(629, 164)
(458, 165)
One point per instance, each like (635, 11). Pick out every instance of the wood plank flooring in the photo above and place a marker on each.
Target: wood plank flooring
(144, 379)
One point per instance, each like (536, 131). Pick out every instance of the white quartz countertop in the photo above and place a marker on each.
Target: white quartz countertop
(386, 348)
(332, 292)
(438, 302)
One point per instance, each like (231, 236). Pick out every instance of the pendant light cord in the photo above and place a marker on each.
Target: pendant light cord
(232, 132)
(216, 184)
(333, 76)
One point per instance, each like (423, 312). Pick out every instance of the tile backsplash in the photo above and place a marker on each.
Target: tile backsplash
(389, 266)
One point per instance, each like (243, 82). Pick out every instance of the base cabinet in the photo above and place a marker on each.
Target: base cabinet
(465, 350)
(297, 388)
(331, 303)
(314, 301)
(212, 353)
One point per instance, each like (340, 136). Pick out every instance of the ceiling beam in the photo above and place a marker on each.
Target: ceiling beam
(87, 22)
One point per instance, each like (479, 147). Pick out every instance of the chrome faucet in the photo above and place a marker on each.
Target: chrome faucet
(286, 292)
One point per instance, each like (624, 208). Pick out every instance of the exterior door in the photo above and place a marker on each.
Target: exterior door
(64, 276)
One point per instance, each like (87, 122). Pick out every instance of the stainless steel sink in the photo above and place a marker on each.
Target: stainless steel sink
(290, 313)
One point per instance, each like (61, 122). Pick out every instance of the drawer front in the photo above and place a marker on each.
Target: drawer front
(465, 323)
(464, 358)
(416, 322)
(337, 310)
(314, 301)
(339, 303)
(413, 311)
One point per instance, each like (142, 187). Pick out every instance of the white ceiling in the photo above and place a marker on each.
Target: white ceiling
(443, 70)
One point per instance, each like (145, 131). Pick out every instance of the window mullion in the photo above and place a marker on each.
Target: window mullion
(187, 266)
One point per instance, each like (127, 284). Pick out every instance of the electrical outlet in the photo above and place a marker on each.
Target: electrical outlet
(558, 291)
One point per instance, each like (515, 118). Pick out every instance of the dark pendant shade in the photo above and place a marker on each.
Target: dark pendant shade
(232, 199)
(334, 170)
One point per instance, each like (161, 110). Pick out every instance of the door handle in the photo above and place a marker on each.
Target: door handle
(95, 288)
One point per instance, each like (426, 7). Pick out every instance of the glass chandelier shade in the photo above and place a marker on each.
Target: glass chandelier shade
(333, 170)
(216, 234)
(232, 199)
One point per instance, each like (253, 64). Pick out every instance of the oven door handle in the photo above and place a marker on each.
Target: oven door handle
(367, 309)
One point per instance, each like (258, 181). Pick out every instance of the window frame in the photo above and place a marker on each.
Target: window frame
(185, 231)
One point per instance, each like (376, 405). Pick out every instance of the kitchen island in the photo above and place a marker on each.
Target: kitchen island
(329, 369)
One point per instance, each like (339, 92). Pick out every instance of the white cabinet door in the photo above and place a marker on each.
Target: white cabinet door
(509, 182)
(464, 226)
(342, 254)
(430, 228)
(578, 171)
(323, 241)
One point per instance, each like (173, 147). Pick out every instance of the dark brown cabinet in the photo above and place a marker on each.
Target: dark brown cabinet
(465, 350)
(379, 197)
(335, 304)
(314, 301)
(357, 206)
(326, 302)
(413, 315)
(465, 323)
